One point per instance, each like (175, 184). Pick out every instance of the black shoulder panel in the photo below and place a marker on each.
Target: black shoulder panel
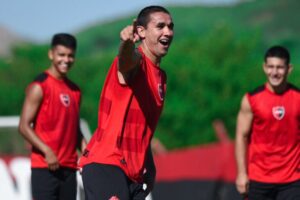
(257, 90)
(72, 85)
(41, 77)
(293, 87)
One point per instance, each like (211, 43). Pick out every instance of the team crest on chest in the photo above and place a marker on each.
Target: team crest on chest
(278, 112)
(161, 93)
(65, 99)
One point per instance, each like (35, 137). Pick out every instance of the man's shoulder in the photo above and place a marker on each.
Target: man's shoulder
(40, 78)
(72, 85)
(294, 88)
(257, 90)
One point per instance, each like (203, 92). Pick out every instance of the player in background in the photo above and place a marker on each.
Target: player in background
(268, 135)
(50, 123)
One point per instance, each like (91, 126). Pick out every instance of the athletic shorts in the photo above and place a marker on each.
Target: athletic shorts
(267, 191)
(53, 185)
(108, 182)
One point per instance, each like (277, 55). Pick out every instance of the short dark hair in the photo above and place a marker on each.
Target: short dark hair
(144, 15)
(279, 52)
(64, 39)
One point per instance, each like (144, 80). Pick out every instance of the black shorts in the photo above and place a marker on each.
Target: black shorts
(109, 182)
(53, 185)
(268, 191)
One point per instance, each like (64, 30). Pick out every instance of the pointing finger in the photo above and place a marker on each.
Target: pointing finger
(135, 33)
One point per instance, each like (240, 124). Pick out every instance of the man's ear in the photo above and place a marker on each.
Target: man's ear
(264, 66)
(290, 68)
(50, 54)
(141, 31)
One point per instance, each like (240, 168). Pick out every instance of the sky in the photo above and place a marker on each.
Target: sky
(38, 20)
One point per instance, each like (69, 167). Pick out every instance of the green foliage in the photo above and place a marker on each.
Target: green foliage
(97, 39)
(215, 58)
(12, 143)
(206, 79)
(89, 73)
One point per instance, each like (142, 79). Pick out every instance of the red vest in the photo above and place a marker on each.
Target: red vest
(274, 148)
(127, 118)
(57, 121)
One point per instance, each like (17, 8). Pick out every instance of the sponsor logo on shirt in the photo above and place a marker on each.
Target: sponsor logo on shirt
(65, 99)
(161, 93)
(278, 112)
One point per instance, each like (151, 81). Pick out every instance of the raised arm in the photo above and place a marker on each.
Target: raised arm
(33, 99)
(244, 122)
(128, 56)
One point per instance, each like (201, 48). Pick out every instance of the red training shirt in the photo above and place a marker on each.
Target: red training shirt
(274, 148)
(127, 118)
(57, 120)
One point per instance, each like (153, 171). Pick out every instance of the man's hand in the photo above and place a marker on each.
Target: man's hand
(129, 33)
(51, 160)
(242, 184)
(128, 56)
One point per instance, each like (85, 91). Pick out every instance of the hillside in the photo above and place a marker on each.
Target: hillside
(8, 39)
(216, 57)
(275, 19)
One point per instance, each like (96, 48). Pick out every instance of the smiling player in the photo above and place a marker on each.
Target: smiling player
(267, 134)
(50, 123)
(118, 159)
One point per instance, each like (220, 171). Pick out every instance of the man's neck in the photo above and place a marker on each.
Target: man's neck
(155, 60)
(278, 89)
(55, 73)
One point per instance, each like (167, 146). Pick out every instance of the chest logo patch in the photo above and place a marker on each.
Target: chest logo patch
(278, 112)
(161, 93)
(65, 99)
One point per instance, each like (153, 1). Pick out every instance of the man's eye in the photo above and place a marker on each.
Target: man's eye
(160, 25)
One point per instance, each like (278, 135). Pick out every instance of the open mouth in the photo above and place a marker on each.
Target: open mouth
(64, 66)
(165, 42)
(275, 79)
